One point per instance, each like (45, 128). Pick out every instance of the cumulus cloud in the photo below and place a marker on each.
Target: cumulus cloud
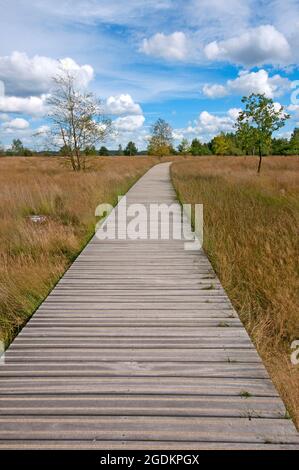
(129, 123)
(122, 104)
(171, 47)
(16, 124)
(24, 76)
(250, 82)
(207, 125)
(258, 46)
(210, 123)
(215, 91)
(32, 105)
(294, 110)
(234, 113)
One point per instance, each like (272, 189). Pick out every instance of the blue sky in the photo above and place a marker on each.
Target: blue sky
(189, 62)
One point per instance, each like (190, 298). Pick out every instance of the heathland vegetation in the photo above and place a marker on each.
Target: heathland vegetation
(251, 226)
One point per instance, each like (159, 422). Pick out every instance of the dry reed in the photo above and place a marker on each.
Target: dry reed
(251, 227)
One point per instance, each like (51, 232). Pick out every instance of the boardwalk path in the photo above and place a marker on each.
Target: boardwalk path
(133, 349)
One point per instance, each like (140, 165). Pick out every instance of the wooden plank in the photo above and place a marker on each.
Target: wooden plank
(134, 368)
(141, 405)
(140, 385)
(135, 332)
(46, 321)
(136, 354)
(144, 428)
(77, 444)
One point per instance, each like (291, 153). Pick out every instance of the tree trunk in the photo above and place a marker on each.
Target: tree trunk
(260, 160)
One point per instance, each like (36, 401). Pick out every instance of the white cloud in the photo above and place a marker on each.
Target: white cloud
(23, 75)
(233, 113)
(250, 82)
(116, 12)
(32, 105)
(44, 129)
(171, 47)
(122, 104)
(207, 125)
(258, 46)
(294, 110)
(214, 18)
(129, 123)
(17, 124)
(4, 117)
(215, 91)
(178, 135)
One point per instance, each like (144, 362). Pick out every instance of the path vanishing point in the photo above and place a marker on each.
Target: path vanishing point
(139, 347)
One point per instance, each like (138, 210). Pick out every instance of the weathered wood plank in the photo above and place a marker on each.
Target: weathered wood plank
(135, 332)
(140, 385)
(136, 354)
(134, 368)
(142, 405)
(66, 444)
(144, 428)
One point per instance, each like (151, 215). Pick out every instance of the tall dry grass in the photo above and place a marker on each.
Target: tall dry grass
(34, 256)
(251, 227)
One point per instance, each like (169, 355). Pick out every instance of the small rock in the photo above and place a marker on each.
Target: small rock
(38, 219)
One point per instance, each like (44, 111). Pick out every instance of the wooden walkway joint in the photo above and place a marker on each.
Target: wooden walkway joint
(138, 347)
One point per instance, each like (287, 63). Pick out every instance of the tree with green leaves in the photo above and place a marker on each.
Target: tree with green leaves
(280, 146)
(184, 147)
(2, 151)
(90, 151)
(221, 145)
(17, 147)
(262, 116)
(160, 143)
(197, 148)
(131, 149)
(120, 151)
(234, 147)
(246, 138)
(104, 152)
(294, 142)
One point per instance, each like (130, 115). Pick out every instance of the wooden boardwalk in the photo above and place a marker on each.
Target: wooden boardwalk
(138, 347)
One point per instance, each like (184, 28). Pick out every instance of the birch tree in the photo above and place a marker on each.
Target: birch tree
(77, 120)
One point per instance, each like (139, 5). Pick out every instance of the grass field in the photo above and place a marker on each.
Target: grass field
(34, 256)
(251, 238)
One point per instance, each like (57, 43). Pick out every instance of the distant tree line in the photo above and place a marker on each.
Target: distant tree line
(77, 121)
(17, 148)
(229, 143)
(225, 144)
